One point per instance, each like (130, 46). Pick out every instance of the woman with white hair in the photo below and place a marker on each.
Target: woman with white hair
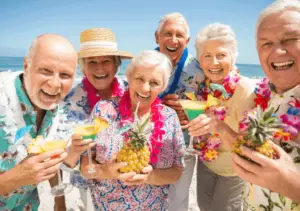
(218, 187)
(276, 183)
(148, 75)
(99, 60)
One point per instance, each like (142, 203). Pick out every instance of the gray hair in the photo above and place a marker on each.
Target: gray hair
(174, 16)
(81, 62)
(31, 51)
(151, 59)
(220, 32)
(277, 7)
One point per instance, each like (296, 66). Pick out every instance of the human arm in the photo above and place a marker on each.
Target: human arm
(279, 175)
(78, 146)
(32, 170)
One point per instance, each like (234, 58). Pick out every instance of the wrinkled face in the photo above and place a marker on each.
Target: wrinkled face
(100, 71)
(215, 60)
(49, 76)
(144, 86)
(172, 39)
(278, 45)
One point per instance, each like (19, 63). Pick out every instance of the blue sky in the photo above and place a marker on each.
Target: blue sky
(133, 21)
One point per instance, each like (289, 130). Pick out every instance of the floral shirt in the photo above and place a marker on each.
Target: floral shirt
(259, 198)
(191, 76)
(114, 194)
(76, 109)
(17, 112)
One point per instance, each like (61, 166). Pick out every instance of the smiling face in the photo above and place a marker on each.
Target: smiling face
(215, 60)
(100, 71)
(172, 39)
(49, 73)
(278, 45)
(145, 83)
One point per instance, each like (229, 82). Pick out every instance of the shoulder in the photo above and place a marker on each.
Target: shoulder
(76, 91)
(246, 85)
(169, 114)
(106, 106)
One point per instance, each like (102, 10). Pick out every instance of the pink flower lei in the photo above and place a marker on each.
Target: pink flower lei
(208, 144)
(290, 120)
(156, 117)
(92, 95)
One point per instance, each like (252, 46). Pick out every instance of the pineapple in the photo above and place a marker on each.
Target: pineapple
(135, 152)
(259, 132)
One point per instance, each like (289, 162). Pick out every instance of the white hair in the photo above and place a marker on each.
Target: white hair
(151, 59)
(220, 32)
(81, 62)
(174, 16)
(277, 7)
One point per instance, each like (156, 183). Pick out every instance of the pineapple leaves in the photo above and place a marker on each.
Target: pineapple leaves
(282, 199)
(298, 151)
(263, 208)
(294, 205)
(297, 159)
(142, 128)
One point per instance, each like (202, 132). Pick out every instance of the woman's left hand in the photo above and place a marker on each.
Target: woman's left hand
(142, 178)
(203, 124)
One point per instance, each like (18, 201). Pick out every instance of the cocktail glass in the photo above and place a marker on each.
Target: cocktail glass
(90, 131)
(41, 145)
(192, 108)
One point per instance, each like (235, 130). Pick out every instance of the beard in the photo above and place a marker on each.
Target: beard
(33, 95)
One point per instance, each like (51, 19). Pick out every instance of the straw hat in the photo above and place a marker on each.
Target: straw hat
(100, 42)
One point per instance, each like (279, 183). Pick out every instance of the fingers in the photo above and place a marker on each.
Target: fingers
(47, 177)
(52, 169)
(247, 165)
(201, 131)
(76, 137)
(174, 104)
(241, 171)
(47, 155)
(256, 157)
(148, 169)
(55, 161)
(126, 176)
(170, 97)
(83, 148)
(81, 142)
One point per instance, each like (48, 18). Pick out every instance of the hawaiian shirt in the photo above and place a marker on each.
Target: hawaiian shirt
(26, 197)
(259, 198)
(114, 194)
(190, 78)
(76, 109)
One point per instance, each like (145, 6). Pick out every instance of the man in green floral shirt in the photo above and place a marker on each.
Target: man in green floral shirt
(29, 100)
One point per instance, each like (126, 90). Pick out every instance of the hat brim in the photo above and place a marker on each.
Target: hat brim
(101, 52)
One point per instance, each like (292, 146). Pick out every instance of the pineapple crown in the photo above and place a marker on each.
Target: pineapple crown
(139, 135)
(262, 126)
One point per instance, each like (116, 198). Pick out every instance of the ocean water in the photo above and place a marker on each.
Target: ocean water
(16, 63)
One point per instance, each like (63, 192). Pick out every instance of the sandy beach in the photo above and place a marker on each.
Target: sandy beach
(74, 203)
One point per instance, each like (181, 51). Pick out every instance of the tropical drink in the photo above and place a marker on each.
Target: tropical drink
(193, 108)
(90, 131)
(40, 145)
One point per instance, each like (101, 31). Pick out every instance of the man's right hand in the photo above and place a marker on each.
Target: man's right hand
(38, 168)
(172, 101)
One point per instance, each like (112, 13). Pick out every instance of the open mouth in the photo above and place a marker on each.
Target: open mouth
(215, 70)
(143, 97)
(103, 76)
(171, 49)
(50, 95)
(282, 65)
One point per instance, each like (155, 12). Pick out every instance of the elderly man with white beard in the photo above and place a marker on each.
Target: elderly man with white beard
(30, 99)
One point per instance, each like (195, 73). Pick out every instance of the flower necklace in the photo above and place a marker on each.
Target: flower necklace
(208, 144)
(156, 117)
(290, 120)
(93, 97)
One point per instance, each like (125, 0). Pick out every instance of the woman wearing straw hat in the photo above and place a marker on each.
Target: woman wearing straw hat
(99, 60)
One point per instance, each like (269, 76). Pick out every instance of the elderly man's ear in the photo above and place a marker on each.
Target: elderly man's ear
(156, 36)
(26, 65)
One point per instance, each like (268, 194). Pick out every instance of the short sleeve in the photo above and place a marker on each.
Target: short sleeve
(178, 143)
